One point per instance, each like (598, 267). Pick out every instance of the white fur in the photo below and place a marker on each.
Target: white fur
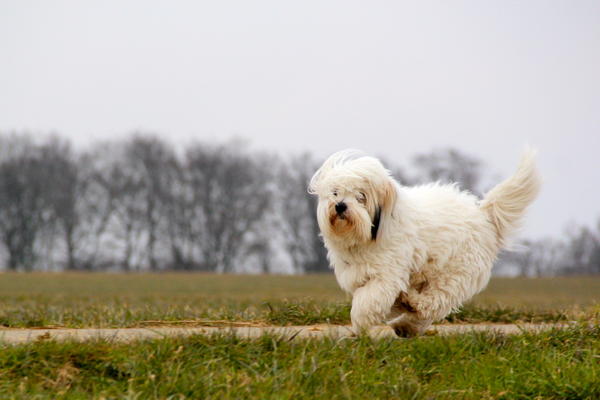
(435, 245)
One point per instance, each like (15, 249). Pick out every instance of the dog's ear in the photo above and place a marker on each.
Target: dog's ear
(386, 200)
(387, 196)
(375, 225)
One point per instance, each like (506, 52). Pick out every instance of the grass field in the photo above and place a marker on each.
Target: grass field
(116, 300)
(554, 365)
(559, 364)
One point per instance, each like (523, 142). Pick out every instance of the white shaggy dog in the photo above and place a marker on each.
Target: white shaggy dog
(411, 255)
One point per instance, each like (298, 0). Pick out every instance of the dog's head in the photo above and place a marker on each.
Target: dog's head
(355, 192)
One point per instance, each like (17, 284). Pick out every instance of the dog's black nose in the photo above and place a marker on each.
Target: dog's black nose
(340, 207)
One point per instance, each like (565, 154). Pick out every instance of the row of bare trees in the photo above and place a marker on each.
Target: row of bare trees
(141, 204)
(578, 253)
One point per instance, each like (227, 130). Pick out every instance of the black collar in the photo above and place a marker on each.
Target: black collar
(375, 226)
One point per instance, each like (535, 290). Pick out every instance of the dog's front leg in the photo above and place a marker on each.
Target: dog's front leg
(372, 302)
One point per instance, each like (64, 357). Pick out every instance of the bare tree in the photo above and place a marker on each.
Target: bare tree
(298, 214)
(64, 190)
(84, 209)
(126, 197)
(535, 258)
(154, 165)
(583, 252)
(184, 226)
(231, 192)
(25, 198)
(449, 165)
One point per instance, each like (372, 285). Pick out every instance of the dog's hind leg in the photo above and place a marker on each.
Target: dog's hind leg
(418, 282)
(450, 286)
(403, 317)
(446, 289)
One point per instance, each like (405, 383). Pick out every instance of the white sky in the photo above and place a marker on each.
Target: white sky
(390, 77)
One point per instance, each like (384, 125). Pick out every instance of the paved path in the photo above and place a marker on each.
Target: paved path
(16, 336)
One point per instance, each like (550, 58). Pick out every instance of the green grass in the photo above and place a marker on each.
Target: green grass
(559, 364)
(553, 365)
(117, 300)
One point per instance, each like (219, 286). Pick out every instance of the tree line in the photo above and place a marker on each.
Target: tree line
(140, 204)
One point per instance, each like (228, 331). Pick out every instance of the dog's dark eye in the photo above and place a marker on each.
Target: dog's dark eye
(335, 192)
(362, 198)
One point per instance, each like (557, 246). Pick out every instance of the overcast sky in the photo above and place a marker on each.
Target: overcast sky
(392, 78)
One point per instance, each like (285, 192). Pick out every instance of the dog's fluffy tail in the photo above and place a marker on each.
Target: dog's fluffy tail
(505, 204)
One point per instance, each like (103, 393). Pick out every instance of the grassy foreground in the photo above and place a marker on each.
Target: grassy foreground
(560, 364)
(552, 365)
(116, 300)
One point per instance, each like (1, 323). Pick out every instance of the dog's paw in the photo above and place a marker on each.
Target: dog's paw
(423, 306)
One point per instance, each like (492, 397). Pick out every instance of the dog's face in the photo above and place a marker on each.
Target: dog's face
(353, 193)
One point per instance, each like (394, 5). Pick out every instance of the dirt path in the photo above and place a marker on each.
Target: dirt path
(16, 336)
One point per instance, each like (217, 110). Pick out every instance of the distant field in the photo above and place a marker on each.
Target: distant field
(118, 300)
